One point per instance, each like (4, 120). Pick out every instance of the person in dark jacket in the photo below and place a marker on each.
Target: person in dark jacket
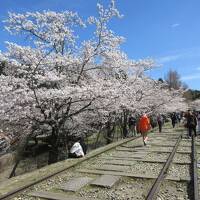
(132, 125)
(174, 119)
(160, 121)
(191, 123)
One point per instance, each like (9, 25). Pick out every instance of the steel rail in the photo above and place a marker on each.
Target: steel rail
(154, 189)
(15, 192)
(194, 171)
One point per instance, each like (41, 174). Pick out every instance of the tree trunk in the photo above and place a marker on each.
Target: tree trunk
(97, 139)
(121, 125)
(54, 151)
(125, 121)
(108, 132)
(53, 155)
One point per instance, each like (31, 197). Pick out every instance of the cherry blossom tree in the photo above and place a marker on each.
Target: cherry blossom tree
(61, 85)
(51, 84)
(195, 104)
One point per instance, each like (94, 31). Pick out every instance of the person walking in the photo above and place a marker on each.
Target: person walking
(132, 126)
(191, 123)
(160, 122)
(174, 119)
(144, 126)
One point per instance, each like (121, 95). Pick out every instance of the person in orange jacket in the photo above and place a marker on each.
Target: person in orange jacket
(144, 126)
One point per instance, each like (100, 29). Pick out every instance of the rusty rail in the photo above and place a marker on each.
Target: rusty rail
(194, 171)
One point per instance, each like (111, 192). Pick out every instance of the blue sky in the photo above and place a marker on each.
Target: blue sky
(167, 31)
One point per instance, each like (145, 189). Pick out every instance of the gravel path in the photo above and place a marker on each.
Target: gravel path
(125, 189)
(179, 170)
(185, 143)
(179, 157)
(157, 156)
(173, 191)
(147, 168)
(182, 148)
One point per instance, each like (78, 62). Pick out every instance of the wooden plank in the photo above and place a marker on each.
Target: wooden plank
(133, 160)
(169, 145)
(183, 152)
(119, 162)
(186, 145)
(119, 168)
(135, 150)
(75, 184)
(125, 149)
(165, 151)
(54, 196)
(164, 137)
(118, 158)
(132, 175)
(162, 161)
(162, 145)
(129, 151)
(106, 181)
(167, 135)
(131, 146)
(114, 173)
(143, 160)
(129, 154)
(188, 139)
(163, 141)
(174, 178)
(155, 137)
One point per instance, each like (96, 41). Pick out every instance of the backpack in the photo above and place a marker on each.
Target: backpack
(132, 121)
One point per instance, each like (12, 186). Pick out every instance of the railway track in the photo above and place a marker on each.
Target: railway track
(165, 169)
(194, 194)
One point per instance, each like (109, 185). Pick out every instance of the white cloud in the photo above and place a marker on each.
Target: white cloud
(175, 25)
(191, 77)
(168, 58)
(179, 54)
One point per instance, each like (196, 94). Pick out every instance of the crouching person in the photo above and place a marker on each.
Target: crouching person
(76, 150)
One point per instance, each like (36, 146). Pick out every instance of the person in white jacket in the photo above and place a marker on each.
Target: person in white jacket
(76, 151)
